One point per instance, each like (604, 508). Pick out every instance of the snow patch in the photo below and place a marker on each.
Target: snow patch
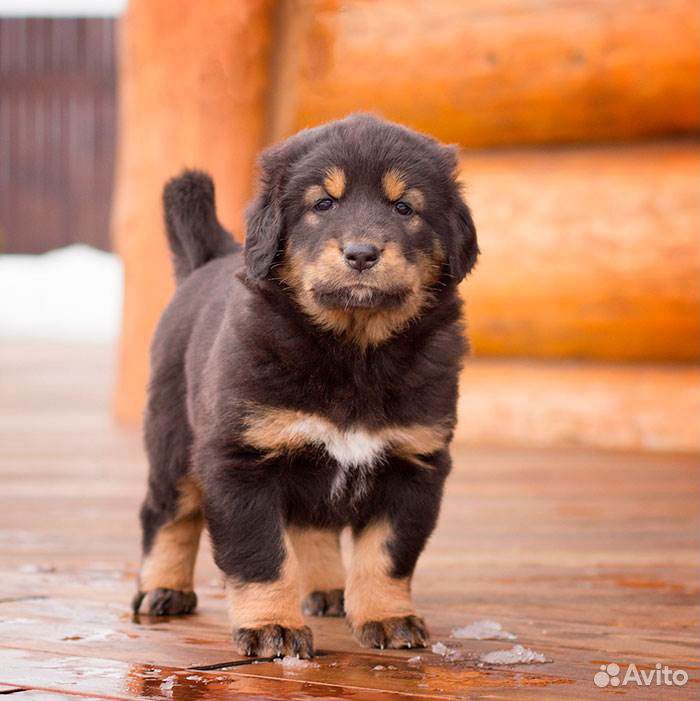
(100, 635)
(483, 630)
(70, 294)
(293, 663)
(516, 655)
(36, 569)
(449, 653)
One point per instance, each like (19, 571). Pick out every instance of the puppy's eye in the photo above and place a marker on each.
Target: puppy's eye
(403, 209)
(323, 205)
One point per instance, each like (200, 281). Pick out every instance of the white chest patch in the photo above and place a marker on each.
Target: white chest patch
(356, 452)
(349, 448)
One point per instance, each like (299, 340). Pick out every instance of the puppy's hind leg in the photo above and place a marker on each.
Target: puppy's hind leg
(171, 517)
(171, 541)
(321, 569)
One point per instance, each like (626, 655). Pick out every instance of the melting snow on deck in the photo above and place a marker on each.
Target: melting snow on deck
(516, 655)
(483, 630)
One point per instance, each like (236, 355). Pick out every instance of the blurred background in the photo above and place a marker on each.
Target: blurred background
(577, 124)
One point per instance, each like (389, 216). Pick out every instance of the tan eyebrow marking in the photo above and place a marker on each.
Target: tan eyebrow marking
(415, 198)
(394, 184)
(334, 182)
(313, 194)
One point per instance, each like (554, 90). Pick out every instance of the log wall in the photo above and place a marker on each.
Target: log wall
(484, 73)
(586, 253)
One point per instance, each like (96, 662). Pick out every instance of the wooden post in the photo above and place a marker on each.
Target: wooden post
(193, 85)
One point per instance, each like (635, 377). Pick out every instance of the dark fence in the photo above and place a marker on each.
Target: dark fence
(57, 132)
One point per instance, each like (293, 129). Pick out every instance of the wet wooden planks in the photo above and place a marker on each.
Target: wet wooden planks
(588, 557)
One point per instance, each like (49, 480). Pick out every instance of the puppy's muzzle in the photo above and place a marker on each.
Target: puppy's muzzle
(361, 256)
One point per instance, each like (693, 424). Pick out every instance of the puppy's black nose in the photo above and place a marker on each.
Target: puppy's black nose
(361, 255)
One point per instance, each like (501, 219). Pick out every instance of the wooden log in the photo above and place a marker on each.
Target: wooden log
(479, 72)
(586, 253)
(614, 406)
(193, 80)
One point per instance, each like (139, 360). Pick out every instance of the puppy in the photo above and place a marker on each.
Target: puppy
(308, 383)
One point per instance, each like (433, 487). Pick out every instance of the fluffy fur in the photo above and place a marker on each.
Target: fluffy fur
(295, 392)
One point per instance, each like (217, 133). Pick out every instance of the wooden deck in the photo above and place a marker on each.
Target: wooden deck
(589, 558)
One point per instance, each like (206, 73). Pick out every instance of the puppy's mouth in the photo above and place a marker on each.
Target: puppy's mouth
(359, 296)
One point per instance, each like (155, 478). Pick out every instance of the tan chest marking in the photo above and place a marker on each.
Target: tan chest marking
(282, 430)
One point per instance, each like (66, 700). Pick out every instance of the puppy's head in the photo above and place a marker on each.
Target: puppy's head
(363, 222)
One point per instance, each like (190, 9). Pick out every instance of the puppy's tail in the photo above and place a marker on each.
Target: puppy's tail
(194, 233)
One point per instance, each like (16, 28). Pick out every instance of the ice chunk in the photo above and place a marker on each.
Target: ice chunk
(483, 630)
(378, 668)
(516, 655)
(102, 634)
(36, 569)
(413, 661)
(449, 653)
(167, 686)
(294, 663)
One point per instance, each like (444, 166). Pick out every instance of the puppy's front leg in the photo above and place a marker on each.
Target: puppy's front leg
(378, 590)
(244, 514)
(378, 603)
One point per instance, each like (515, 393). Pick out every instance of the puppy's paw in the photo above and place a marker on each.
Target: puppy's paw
(165, 602)
(403, 631)
(274, 641)
(324, 603)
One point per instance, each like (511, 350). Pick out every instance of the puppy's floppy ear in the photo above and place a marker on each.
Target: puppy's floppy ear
(265, 216)
(265, 222)
(263, 234)
(464, 248)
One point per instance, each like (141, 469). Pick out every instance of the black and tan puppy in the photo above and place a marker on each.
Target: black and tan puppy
(309, 383)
